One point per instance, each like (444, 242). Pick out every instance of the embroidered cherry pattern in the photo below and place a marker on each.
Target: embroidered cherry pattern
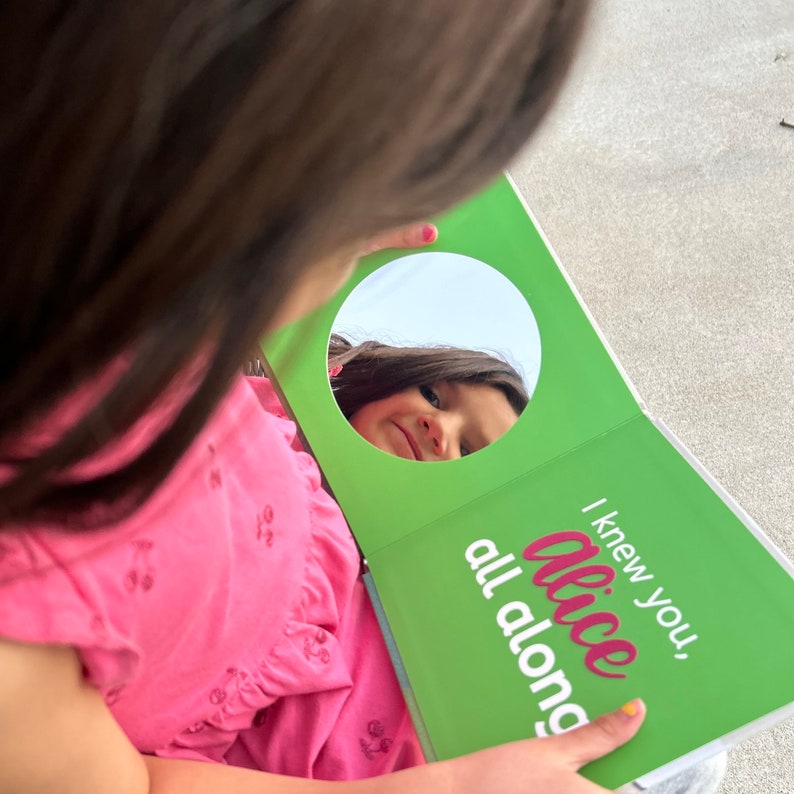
(377, 743)
(263, 521)
(311, 649)
(141, 574)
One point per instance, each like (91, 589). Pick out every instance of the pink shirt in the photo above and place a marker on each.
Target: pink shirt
(225, 619)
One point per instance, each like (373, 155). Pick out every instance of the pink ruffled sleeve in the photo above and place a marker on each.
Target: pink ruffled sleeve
(62, 590)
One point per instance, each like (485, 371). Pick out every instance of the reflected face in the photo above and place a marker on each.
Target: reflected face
(440, 422)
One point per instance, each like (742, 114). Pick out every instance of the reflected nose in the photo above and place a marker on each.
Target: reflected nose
(437, 438)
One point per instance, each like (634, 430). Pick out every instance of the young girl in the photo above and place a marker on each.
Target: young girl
(425, 403)
(175, 586)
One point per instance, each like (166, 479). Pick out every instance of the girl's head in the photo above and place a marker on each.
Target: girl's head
(171, 173)
(425, 403)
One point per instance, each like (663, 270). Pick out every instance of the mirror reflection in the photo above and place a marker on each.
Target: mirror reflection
(434, 356)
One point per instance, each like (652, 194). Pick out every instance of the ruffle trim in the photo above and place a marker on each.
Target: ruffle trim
(307, 658)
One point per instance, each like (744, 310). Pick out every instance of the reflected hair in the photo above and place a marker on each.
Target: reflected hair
(372, 371)
(168, 170)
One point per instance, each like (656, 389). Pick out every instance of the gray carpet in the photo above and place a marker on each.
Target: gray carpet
(665, 184)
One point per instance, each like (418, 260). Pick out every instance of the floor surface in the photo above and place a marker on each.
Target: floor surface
(665, 183)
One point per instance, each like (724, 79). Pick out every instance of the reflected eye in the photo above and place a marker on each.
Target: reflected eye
(430, 396)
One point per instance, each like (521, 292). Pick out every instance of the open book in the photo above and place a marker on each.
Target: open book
(583, 559)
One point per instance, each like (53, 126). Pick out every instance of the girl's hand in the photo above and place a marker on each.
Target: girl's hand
(415, 235)
(319, 282)
(532, 766)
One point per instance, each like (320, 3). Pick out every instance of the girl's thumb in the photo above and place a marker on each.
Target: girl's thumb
(603, 735)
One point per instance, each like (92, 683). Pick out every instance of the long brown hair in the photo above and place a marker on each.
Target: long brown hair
(168, 168)
(371, 371)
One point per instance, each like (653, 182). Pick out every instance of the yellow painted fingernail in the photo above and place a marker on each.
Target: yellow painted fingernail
(629, 708)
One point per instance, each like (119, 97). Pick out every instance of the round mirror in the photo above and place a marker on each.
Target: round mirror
(434, 356)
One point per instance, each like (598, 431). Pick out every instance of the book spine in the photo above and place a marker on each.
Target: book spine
(399, 669)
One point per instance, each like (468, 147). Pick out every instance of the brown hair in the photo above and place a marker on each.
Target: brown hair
(167, 169)
(372, 371)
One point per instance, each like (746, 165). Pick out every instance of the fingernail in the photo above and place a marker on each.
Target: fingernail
(429, 233)
(632, 708)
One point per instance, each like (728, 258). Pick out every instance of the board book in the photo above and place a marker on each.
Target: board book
(583, 559)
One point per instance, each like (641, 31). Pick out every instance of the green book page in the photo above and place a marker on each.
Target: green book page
(709, 611)
(579, 394)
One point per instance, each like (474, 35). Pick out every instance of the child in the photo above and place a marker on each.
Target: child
(174, 584)
(425, 403)
(191, 658)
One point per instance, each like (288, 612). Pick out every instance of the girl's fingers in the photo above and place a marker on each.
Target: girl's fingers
(602, 736)
(415, 235)
(548, 765)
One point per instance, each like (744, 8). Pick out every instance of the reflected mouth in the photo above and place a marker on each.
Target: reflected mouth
(417, 454)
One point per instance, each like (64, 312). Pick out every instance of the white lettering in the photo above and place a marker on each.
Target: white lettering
(652, 602)
(668, 616)
(636, 570)
(509, 626)
(666, 622)
(600, 523)
(594, 505)
(537, 660)
(619, 539)
(535, 671)
(681, 643)
(555, 720)
(515, 643)
(564, 691)
(482, 573)
(489, 587)
(623, 552)
(475, 558)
